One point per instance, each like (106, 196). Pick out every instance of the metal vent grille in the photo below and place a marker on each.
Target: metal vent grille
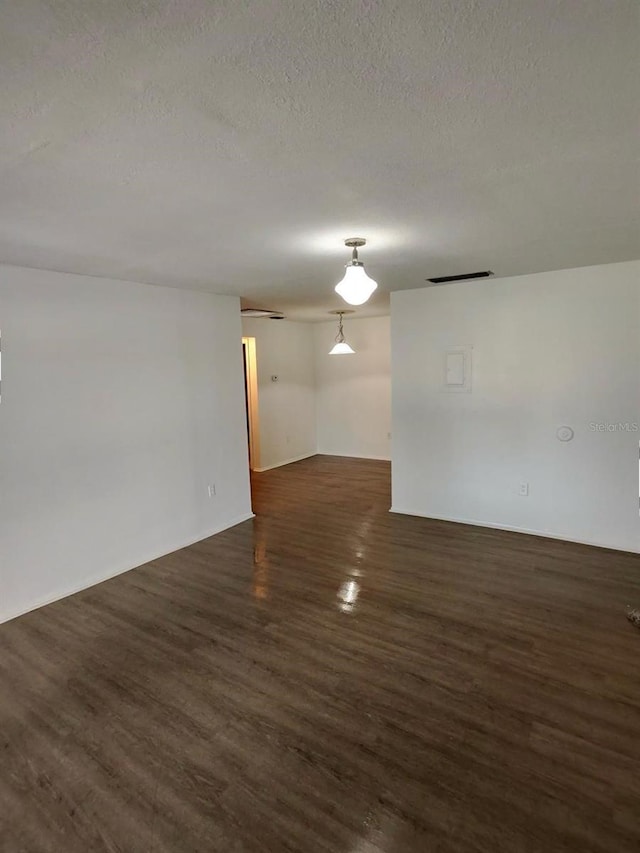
(262, 312)
(443, 279)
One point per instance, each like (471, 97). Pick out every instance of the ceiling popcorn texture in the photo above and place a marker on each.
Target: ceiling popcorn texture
(232, 146)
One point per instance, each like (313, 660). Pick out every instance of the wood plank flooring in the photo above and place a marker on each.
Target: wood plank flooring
(330, 678)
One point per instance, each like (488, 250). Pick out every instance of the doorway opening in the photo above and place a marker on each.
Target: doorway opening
(250, 367)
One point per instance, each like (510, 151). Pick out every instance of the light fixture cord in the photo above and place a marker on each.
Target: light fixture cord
(340, 335)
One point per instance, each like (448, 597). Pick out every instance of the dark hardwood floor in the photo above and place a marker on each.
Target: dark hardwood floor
(330, 677)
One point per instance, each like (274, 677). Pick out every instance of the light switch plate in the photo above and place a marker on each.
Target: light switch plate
(457, 369)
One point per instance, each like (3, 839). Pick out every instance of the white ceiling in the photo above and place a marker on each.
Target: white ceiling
(231, 146)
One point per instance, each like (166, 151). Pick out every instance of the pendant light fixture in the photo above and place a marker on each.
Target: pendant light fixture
(341, 347)
(356, 286)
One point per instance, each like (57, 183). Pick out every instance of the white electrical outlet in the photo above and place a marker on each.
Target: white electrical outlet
(524, 490)
(212, 490)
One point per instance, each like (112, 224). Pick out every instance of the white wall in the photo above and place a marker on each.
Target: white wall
(549, 349)
(120, 403)
(354, 391)
(287, 408)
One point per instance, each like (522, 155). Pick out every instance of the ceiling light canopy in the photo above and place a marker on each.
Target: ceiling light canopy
(356, 286)
(341, 347)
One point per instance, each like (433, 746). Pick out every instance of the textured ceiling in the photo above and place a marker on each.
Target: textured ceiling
(231, 146)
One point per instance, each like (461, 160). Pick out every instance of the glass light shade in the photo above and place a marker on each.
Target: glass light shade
(341, 348)
(356, 286)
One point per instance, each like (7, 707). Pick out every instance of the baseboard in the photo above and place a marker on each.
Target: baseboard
(286, 462)
(511, 529)
(96, 579)
(320, 453)
(355, 456)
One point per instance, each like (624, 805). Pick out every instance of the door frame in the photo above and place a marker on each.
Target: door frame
(251, 372)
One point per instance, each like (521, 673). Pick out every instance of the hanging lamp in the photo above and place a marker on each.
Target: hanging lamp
(356, 286)
(341, 347)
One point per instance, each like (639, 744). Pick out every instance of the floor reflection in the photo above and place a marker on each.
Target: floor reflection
(260, 580)
(348, 594)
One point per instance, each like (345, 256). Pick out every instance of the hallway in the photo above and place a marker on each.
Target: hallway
(330, 677)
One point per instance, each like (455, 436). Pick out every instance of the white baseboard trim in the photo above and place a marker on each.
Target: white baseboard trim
(511, 529)
(355, 456)
(286, 462)
(96, 579)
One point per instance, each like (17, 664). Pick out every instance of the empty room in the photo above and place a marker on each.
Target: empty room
(319, 426)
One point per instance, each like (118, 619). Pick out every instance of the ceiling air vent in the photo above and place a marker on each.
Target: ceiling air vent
(262, 312)
(444, 279)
